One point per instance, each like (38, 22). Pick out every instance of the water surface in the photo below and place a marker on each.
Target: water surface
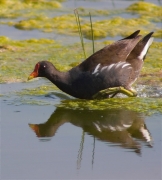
(45, 142)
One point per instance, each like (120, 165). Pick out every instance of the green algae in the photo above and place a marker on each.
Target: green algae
(106, 28)
(38, 91)
(144, 7)
(150, 11)
(46, 24)
(41, 4)
(85, 12)
(101, 28)
(22, 4)
(38, 96)
(18, 57)
(158, 34)
(142, 105)
(24, 8)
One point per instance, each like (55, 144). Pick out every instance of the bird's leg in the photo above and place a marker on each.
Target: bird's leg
(113, 95)
(113, 91)
(103, 94)
(128, 92)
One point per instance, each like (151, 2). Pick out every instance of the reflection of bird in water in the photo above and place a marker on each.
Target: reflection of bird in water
(122, 127)
(119, 127)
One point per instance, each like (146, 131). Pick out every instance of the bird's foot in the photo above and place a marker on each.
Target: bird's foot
(113, 91)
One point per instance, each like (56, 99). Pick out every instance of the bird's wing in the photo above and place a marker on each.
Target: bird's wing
(112, 53)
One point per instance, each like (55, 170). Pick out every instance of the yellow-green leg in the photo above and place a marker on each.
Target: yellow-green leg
(113, 91)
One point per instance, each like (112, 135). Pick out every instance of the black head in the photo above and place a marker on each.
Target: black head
(42, 69)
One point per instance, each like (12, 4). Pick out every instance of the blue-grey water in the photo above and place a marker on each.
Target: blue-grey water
(49, 142)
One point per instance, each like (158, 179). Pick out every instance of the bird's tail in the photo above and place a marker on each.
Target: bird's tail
(141, 48)
(132, 36)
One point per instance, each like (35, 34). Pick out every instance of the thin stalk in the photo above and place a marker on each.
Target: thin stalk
(80, 30)
(92, 32)
(80, 152)
(93, 151)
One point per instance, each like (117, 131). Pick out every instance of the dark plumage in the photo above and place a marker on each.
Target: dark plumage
(115, 65)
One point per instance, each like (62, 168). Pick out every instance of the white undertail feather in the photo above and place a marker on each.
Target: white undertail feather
(144, 51)
(146, 134)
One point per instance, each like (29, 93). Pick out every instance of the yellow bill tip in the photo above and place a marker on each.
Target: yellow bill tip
(30, 77)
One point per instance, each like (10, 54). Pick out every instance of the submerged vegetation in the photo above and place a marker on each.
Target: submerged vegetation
(147, 105)
(18, 57)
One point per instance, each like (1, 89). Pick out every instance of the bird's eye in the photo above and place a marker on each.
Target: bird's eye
(44, 66)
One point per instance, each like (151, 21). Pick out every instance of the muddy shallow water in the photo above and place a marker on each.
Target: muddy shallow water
(46, 134)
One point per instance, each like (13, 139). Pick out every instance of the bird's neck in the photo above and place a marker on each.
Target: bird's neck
(61, 80)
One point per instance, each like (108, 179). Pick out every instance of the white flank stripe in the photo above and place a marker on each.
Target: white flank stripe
(103, 68)
(119, 128)
(143, 53)
(119, 64)
(112, 128)
(105, 126)
(109, 67)
(126, 125)
(125, 65)
(96, 69)
(97, 126)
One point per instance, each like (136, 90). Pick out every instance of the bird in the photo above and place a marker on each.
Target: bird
(109, 71)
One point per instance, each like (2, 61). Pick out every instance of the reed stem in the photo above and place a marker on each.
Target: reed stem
(80, 30)
(92, 32)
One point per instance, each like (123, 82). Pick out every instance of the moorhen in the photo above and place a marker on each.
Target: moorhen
(108, 71)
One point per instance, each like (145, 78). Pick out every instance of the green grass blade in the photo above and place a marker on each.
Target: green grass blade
(80, 30)
(92, 33)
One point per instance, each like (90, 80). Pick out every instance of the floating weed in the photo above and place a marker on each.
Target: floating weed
(24, 8)
(85, 12)
(143, 105)
(38, 91)
(158, 33)
(148, 10)
(143, 7)
(29, 4)
(64, 24)
(34, 102)
(41, 4)
(106, 28)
